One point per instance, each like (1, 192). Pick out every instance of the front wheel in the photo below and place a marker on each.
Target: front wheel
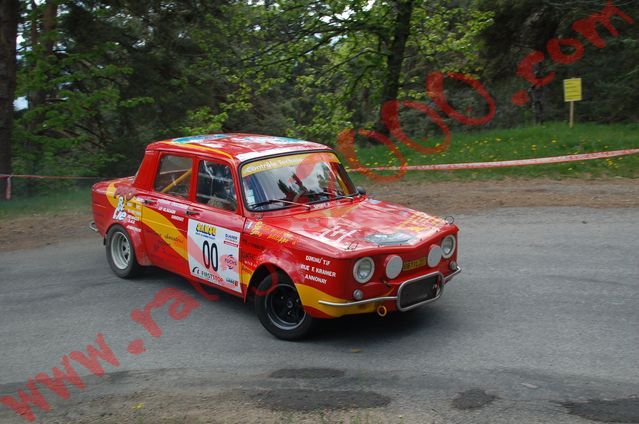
(120, 253)
(280, 310)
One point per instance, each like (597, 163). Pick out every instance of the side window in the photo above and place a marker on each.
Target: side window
(174, 176)
(215, 186)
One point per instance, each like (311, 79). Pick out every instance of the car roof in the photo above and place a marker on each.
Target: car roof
(237, 146)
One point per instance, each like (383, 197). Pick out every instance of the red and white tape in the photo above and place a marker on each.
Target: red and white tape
(8, 177)
(504, 163)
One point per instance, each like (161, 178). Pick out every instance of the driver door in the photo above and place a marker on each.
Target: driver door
(215, 226)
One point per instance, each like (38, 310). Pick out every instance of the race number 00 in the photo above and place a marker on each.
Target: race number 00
(209, 255)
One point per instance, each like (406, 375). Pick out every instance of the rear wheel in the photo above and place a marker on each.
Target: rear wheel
(120, 253)
(280, 310)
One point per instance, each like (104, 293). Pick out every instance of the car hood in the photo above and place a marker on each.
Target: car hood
(360, 225)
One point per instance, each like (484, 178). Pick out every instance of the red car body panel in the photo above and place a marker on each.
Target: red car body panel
(316, 247)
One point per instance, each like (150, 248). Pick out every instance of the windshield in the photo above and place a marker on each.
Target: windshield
(300, 179)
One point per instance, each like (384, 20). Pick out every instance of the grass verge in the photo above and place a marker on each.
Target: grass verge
(552, 139)
(60, 201)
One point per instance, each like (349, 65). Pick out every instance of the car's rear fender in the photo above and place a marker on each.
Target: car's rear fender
(114, 203)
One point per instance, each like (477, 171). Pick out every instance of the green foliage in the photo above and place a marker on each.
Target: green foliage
(610, 75)
(105, 78)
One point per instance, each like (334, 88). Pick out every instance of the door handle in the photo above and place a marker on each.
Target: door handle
(191, 212)
(148, 201)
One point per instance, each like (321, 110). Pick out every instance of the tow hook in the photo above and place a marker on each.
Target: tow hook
(382, 311)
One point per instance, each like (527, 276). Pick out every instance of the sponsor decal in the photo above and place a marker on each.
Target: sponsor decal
(206, 275)
(205, 230)
(389, 239)
(133, 228)
(315, 273)
(286, 162)
(199, 138)
(260, 230)
(256, 229)
(419, 222)
(414, 264)
(337, 233)
(194, 139)
(231, 240)
(130, 219)
(167, 210)
(230, 262)
(281, 237)
(315, 278)
(119, 213)
(324, 272)
(270, 139)
(170, 204)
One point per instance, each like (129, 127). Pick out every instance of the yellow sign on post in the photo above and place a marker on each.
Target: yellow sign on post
(572, 94)
(572, 90)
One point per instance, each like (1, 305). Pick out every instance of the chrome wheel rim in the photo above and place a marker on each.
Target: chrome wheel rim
(284, 307)
(120, 250)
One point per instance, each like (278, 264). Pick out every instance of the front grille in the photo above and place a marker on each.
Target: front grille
(420, 290)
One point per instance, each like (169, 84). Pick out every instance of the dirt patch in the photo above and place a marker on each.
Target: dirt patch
(473, 399)
(31, 231)
(608, 411)
(220, 407)
(440, 198)
(317, 400)
(307, 373)
(466, 197)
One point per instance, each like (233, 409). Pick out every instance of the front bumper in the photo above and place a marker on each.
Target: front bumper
(397, 299)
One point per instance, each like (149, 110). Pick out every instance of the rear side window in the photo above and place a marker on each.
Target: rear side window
(215, 186)
(174, 176)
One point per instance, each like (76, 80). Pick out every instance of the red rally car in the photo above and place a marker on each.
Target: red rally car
(277, 221)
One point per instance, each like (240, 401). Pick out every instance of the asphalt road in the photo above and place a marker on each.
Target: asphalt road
(542, 326)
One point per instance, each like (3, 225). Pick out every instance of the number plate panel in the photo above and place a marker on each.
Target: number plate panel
(213, 254)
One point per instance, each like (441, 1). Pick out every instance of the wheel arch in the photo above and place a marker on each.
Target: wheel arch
(262, 271)
(136, 237)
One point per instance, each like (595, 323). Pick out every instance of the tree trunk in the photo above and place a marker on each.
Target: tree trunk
(43, 22)
(9, 14)
(40, 35)
(395, 57)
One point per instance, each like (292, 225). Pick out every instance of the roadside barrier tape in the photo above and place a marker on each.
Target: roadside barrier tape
(49, 177)
(9, 177)
(504, 163)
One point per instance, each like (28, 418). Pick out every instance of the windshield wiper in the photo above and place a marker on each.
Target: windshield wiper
(271, 201)
(337, 197)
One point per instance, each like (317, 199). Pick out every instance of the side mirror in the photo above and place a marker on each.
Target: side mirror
(360, 190)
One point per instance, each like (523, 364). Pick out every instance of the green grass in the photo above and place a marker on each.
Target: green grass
(68, 200)
(553, 139)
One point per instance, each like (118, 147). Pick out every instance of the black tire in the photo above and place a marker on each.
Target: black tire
(280, 310)
(121, 253)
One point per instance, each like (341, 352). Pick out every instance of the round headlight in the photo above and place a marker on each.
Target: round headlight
(434, 256)
(448, 246)
(394, 266)
(363, 270)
